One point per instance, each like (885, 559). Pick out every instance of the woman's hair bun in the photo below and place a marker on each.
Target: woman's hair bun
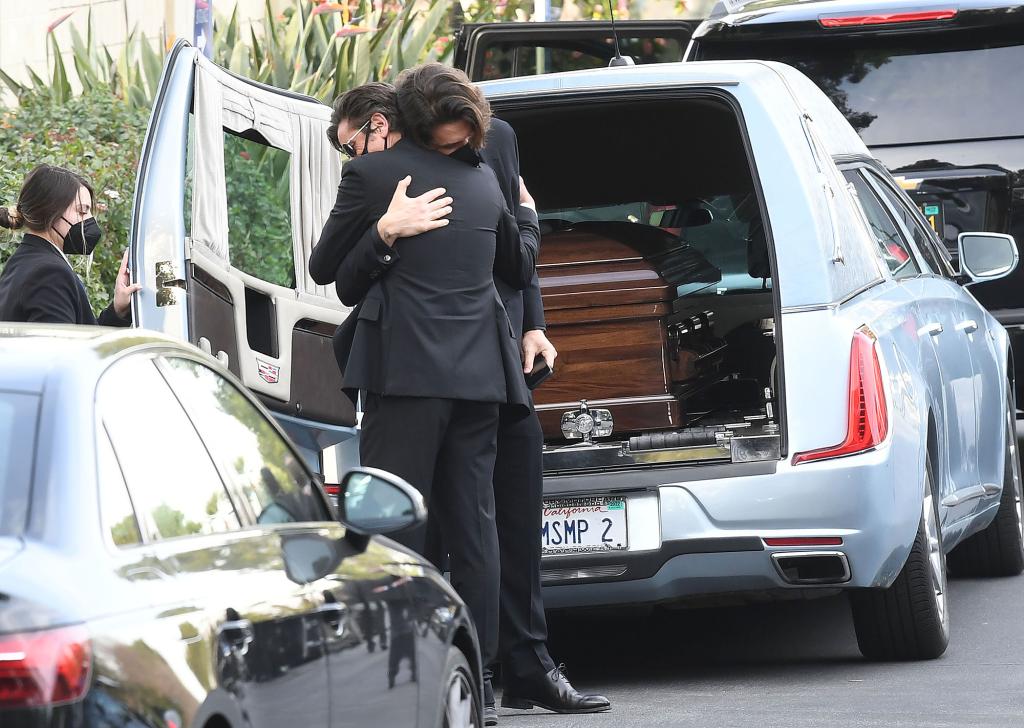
(10, 218)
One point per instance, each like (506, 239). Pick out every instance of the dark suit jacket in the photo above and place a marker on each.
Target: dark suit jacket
(434, 326)
(37, 285)
(371, 257)
(501, 153)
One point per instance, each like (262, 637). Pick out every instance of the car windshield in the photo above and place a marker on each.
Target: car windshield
(725, 229)
(902, 89)
(18, 415)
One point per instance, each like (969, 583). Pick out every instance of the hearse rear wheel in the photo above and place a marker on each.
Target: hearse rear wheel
(910, 619)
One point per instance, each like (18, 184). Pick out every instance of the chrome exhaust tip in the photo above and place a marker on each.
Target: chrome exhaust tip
(812, 567)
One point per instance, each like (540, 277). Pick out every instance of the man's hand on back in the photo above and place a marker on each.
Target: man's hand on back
(408, 216)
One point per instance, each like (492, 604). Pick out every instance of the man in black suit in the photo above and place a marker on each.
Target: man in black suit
(518, 477)
(432, 347)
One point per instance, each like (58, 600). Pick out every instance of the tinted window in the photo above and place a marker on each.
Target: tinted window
(524, 58)
(922, 236)
(903, 89)
(264, 469)
(730, 238)
(173, 482)
(116, 509)
(892, 246)
(18, 414)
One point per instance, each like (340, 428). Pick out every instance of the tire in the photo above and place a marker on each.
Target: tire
(910, 619)
(459, 702)
(999, 549)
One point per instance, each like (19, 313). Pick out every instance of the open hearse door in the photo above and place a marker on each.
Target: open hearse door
(488, 51)
(235, 182)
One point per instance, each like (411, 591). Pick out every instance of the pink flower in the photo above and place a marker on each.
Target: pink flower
(50, 28)
(351, 30)
(328, 8)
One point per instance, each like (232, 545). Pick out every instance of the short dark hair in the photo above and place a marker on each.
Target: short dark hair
(433, 94)
(46, 194)
(357, 105)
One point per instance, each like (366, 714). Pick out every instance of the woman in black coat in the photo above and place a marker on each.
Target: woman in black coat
(38, 283)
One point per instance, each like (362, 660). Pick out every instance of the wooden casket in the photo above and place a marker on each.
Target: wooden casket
(610, 295)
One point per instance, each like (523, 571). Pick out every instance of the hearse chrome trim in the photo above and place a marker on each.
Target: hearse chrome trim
(730, 447)
(614, 402)
(788, 565)
(618, 454)
(589, 572)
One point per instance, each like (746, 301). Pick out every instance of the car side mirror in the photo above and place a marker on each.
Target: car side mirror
(374, 502)
(986, 256)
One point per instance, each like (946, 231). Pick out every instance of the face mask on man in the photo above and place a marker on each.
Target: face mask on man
(82, 237)
(467, 154)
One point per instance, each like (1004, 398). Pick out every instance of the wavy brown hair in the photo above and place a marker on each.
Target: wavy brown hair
(433, 94)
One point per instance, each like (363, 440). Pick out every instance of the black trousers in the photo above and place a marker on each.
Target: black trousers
(518, 491)
(446, 449)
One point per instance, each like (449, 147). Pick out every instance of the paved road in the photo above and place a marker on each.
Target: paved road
(792, 665)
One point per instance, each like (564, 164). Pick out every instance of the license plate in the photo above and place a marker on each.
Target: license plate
(583, 525)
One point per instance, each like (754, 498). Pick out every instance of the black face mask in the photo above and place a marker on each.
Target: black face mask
(82, 237)
(467, 154)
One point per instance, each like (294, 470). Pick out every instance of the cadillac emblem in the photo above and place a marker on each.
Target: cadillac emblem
(585, 423)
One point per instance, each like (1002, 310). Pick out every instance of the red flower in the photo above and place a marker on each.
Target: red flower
(245, 155)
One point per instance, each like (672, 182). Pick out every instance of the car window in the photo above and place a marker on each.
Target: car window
(529, 58)
(18, 414)
(116, 511)
(259, 209)
(729, 237)
(893, 248)
(172, 480)
(263, 468)
(921, 234)
(891, 86)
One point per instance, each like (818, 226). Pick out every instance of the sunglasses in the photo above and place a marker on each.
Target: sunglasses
(350, 151)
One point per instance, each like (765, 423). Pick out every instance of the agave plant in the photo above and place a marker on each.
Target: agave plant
(322, 48)
(132, 75)
(316, 48)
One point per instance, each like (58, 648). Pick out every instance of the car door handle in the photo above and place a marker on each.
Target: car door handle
(234, 635)
(930, 329)
(968, 327)
(334, 614)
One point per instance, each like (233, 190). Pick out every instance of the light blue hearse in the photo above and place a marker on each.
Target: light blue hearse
(826, 407)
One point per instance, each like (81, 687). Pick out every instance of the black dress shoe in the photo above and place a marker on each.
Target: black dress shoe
(490, 712)
(553, 692)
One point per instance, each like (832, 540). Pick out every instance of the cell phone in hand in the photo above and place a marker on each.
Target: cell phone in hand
(540, 372)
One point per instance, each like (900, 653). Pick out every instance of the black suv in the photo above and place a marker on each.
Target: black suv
(936, 90)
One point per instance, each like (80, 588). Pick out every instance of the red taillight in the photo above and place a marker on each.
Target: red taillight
(334, 490)
(850, 21)
(44, 668)
(805, 541)
(868, 417)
